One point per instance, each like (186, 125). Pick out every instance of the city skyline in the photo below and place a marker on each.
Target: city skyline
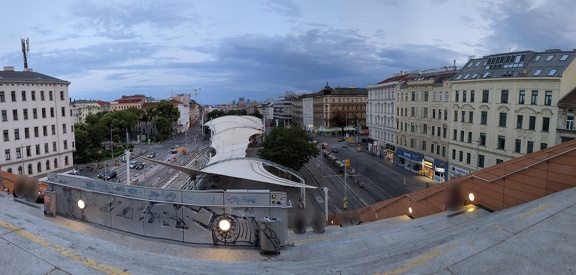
(259, 50)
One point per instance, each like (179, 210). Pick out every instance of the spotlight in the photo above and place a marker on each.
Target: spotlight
(81, 204)
(471, 197)
(410, 210)
(224, 225)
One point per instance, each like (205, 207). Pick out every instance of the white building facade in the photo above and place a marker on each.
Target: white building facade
(36, 123)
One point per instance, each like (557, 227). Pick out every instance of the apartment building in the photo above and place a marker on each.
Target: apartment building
(349, 102)
(421, 130)
(126, 102)
(506, 105)
(83, 108)
(37, 124)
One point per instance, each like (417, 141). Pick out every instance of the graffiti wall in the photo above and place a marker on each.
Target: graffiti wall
(186, 216)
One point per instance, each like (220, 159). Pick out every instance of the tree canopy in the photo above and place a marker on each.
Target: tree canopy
(291, 147)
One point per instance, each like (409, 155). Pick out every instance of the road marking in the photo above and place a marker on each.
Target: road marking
(419, 261)
(63, 251)
(535, 210)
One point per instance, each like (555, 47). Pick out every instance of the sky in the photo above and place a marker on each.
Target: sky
(227, 49)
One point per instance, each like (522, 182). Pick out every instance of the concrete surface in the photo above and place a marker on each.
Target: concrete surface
(535, 238)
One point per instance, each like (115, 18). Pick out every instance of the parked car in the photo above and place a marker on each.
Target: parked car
(133, 164)
(152, 154)
(334, 150)
(140, 166)
(110, 174)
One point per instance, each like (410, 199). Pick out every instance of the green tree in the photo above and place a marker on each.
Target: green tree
(214, 114)
(339, 120)
(291, 147)
(163, 128)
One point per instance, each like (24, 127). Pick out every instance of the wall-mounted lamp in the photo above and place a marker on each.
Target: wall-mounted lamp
(410, 210)
(471, 197)
(81, 204)
(224, 225)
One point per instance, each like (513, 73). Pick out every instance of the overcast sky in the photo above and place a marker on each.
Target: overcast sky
(260, 49)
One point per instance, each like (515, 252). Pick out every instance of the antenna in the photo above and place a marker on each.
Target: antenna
(25, 48)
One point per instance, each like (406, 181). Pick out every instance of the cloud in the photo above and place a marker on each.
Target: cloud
(530, 25)
(286, 8)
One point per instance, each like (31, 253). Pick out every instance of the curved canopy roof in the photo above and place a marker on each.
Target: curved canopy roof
(230, 139)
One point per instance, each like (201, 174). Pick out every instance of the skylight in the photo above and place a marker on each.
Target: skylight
(549, 57)
(564, 57)
(537, 57)
(537, 72)
(552, 72)
(477, 63)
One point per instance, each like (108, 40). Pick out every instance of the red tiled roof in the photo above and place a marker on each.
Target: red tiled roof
(402, 77)
(568, 99)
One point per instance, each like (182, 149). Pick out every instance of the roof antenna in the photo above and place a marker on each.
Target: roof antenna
(454, 63)
(25, 48)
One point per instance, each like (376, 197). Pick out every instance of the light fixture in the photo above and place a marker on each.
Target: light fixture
(224, 225)
(471, 197)
(410, 210)
(81, 204)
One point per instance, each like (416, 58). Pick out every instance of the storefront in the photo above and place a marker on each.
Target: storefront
(389, 152)
(373, 146)
(428, 167)
(440, 170)
(456, 172)
(410, 160)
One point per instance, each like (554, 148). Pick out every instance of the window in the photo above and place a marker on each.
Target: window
(530, 147)
(472, 96)
(463, 118)
(552, 72)
(454, 134)
(29, 169)
(5, 134)
(471, 117)
(37, 149)
(46, 151)
(570, 121)
(33, 95)
(499, 161)
(457, 96)
(28, 151)
(63, 111)
(443, 150)
(517, 145)
(43, 112)
(61, 95)
(463, 96)
(4, 115)
(462, 136)
(64, 128)
(532, 123)
(460, 156)
(439, 113)
(455, 115)
(502, 121)
(444, 130)
(424, 146)
(519, 120)
(51, 112)
(2, 99)
(521, 97)
(425, 95)
(538, 72)
(536, 58)
(469, 137)
(13, 94)
(454, 154)
(45, 128)
(36, 132)
(548, 58)
(433, 130)
(501, 142)
(53, 129)
(412, 111)
(15, 114)
(504, 96)
(18, 153)
(50, 95)
(564, 57)
(425, 112)
(47, 165)
(482, 141)
(480, 161)
(42, 95)
(54, 146)
(413, 96)
(543, 146)
(16, 134)
(35, 113)
(26, 132)
(468, 157)
(7, 154)
(534, 100)
(25, 112)
(548, 98)
(39, 167)
(485, 96)
(425, 129)
(433, 112)
(23, 95)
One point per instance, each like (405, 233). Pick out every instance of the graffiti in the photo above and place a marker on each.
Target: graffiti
(165, 216)
(270, 235)
(243, 211)
(240, 200)
(242, 230)
(167, 195)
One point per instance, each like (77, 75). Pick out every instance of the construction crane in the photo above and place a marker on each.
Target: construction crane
(25, 48)
(195, 94)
